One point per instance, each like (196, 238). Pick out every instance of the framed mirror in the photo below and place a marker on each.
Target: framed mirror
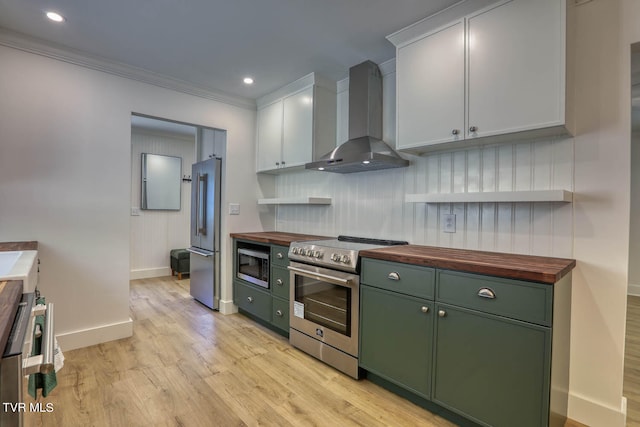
(161, 182)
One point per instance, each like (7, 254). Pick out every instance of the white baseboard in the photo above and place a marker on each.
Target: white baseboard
(593, 413)
(146, 273)
(227, 307)
(93, 336)
(634, 290)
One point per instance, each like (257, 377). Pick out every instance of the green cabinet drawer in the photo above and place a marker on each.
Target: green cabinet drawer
(280, 282)
(252, 300)
(528, 301)
(493, 370)
(280, 314)
(408, 279)
(279, 255)
(396, 333)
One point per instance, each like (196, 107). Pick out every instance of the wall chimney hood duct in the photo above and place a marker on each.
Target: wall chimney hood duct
(365, 150)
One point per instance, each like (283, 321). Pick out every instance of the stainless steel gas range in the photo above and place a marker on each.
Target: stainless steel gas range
(324, 298)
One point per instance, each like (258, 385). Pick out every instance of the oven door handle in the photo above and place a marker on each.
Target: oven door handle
(320, 276)
(42, 363)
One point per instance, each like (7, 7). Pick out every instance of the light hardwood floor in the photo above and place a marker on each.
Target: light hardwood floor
(188, 366)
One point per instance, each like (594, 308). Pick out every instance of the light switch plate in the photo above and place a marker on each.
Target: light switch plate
(135, 211)
(449, 223)
(234, 208)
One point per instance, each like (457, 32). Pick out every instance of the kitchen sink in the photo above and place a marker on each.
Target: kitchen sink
(20, 265)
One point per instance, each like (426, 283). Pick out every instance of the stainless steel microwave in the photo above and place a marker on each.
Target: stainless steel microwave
(252, 265)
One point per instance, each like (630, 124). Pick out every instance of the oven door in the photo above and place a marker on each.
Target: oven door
(17, 361)
(324, 305)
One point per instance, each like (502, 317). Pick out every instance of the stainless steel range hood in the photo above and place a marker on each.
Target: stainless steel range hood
(365, 150)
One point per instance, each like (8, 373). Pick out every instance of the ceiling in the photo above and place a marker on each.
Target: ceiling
(213, 44)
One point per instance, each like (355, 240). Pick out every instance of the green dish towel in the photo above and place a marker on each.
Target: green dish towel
(46, 382)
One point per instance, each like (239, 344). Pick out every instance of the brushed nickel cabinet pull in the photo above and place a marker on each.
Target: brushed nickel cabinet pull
(279, 282)
(442, 313)
(393, 276)
(425, 309)
(486, 293)
(279, 313)
(250, 299)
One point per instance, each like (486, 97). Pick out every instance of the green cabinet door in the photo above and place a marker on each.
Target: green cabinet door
(279, 282)
(396, 334)
(491, 369)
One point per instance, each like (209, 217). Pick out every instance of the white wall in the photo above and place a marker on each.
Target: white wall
(65, 181)
(601, 222)
(155, 233)
(634, 235)
(372, 204)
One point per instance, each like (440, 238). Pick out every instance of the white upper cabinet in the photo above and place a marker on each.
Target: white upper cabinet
(486, 75)
(516, 67)
(296, 125)
(270, 136)
(430, 88)
(298, 128)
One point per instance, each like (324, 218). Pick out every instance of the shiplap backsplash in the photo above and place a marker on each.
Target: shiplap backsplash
(155, 233)
(371, 204)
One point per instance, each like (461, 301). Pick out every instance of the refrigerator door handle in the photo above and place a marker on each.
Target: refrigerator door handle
(202, 205)
(197, 207)
(198, 252)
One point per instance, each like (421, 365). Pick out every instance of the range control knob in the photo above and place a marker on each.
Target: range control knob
(317, 254)
(294, 250)
(308, 252)
(334, 257)
(346, 259)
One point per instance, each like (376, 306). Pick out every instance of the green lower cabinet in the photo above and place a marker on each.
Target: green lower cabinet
(252, 300)
(280, 282)
(280, 313)
(490, 369)
(396, 333)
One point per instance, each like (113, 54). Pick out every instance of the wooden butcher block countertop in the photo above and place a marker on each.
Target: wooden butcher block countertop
(512, 266)
(10, 295)
(276, 237)
(18, 246)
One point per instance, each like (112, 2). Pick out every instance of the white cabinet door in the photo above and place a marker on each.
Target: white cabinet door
(430, 88)
(269, 137)
(297, 138)
(516, 67)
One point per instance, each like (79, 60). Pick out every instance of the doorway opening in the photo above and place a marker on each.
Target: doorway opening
(157, 229)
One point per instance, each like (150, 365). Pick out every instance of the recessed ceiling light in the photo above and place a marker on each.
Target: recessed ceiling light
(55, 17)
(248, 81)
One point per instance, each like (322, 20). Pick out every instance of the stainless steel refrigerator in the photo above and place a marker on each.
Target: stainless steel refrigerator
(205, 232)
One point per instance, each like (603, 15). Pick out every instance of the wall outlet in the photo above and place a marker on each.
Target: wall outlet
(234, 208)
(449, 223)
(135, 211)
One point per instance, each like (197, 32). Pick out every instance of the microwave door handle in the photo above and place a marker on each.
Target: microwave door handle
(202, 205)
(320, 276)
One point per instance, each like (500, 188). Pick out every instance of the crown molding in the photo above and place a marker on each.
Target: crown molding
(36, 46)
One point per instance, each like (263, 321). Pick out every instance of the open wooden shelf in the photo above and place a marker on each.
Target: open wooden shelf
(296, 201)
(493, 196)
